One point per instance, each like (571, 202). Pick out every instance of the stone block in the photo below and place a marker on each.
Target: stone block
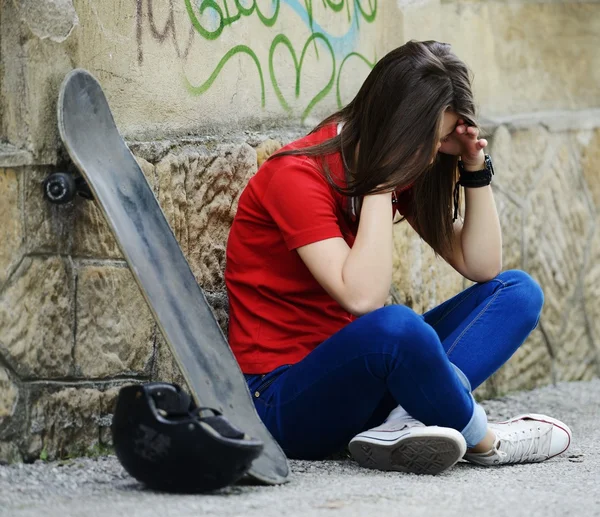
(591, 167)
(53, 20)
(9, 453)
(520, 158)
(511, 222)
(420, 279)
(199, 190)
(266, 149)
(108, 403)
(219, 303)
(114, 325)
(558, 226)
(48, 227)
(149, 171)
(92, 237)
(36, 318)
(34, 70)
(68, 422)
(39, 66)
(9, 394)
(575, 357)
(173, 171)
(11, 222)
(591, 293)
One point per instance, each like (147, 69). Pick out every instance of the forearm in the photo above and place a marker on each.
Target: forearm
(481, 236)
(367, 271)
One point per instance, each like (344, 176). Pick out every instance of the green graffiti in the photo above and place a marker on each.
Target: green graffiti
(226, 19)
(210, 18)
(370, 64)
(281, 38)
(369, 17)
(199, 90)
(339, 6)
(207, 4)
(336, 7)
(266, 21)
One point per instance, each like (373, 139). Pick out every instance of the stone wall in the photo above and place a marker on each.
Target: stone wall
(202, 100)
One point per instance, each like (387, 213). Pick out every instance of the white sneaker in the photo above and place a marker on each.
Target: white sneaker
(525, 439)
(407, 445)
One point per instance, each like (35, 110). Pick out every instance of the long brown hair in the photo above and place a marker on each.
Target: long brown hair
(396, 118)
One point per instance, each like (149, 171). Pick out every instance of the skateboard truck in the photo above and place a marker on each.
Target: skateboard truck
(61, 188)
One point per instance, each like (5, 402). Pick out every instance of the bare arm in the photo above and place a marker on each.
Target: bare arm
(477, 251)
(358, 278)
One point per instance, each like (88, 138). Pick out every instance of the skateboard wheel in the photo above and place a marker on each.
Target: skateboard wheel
(59, 188)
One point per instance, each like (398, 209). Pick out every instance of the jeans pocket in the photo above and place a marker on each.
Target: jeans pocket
(269, 379)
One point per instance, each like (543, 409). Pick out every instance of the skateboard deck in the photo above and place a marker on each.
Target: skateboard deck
(89, 133)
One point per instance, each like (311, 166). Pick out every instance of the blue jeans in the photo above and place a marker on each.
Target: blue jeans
(426, 363)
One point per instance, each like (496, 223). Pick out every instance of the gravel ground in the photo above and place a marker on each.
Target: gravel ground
(567, 485)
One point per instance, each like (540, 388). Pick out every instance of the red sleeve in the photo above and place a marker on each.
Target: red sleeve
(403, 201)
(302, 204)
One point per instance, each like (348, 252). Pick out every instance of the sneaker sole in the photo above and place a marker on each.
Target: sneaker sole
(412, 454)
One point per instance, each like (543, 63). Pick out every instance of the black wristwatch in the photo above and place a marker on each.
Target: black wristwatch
(472, 179)
(475, 179)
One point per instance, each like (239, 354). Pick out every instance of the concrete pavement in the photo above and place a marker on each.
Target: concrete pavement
(567, 485)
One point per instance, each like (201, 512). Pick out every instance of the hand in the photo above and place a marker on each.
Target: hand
(465, 142)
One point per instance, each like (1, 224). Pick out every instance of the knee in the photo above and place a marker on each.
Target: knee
(404, 330)
(526, 295)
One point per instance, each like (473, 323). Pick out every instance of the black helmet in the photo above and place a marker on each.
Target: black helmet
(163, 440)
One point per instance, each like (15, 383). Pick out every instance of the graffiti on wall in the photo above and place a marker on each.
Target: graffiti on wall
(215, 20)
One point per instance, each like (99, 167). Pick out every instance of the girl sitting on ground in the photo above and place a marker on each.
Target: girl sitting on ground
(309, 268)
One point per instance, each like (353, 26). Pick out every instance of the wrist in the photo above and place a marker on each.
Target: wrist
(475, 165)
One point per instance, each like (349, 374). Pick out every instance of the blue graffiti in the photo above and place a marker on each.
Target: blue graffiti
(341, 45)
(218, 16)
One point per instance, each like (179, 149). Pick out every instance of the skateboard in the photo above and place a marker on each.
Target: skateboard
(177, 302)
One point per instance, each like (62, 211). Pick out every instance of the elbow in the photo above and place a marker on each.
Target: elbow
(482, 278)
(494, 269)
(483, 266)
(363, 306)
(486, 274)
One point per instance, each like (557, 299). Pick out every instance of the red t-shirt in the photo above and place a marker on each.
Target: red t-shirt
(278, 312)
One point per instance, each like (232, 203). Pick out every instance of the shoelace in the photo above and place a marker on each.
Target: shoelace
(397, 424)
(519, 446)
